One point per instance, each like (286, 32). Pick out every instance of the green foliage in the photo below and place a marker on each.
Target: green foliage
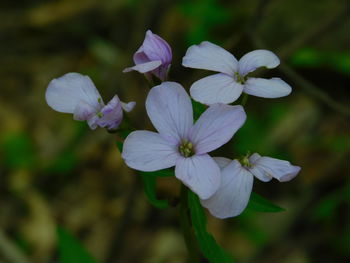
(210, 249)
(18, 151)
(149, 180)
(260, 204)
(64, 163)
(70, 249)
(203, 15)
(326, 208)
(198, 109)
(150, 187)
(313, 58)
(104, 51)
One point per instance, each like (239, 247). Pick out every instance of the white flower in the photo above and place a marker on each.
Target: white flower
(77, 94)
(237, 182)
(227, 86)
(181, 143)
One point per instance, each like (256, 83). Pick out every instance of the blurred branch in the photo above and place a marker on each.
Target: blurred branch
(314, 91)
(316, 32)
(306, 85)
(319, 29)
(117, 244)
(9, 251)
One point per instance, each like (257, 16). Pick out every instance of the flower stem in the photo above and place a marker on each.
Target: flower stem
(192, 248)
(244, 99)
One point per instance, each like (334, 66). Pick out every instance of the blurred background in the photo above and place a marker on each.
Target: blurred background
(55, 173)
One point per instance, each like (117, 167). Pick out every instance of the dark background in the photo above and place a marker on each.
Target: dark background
(56, 172)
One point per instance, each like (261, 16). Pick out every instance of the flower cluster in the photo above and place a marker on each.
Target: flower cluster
(223, 185)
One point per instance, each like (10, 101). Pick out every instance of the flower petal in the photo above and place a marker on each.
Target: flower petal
(282, 170)
(83, 111)
(148, 151)
(209, 56)
(170, 110)
(128, 106)
(144, 67)
(111, 115)
(267, 88)
(155, 48)
(65, 93)
(257, 170)
(200, 173)
(256, 59)
(233, 194)
(218, 88)
(216, 126)
(222, 161)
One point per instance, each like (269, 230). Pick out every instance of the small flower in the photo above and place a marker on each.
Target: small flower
(181, 143)
(77, 94)
(227, 86)
(237, 182)
(153, 57)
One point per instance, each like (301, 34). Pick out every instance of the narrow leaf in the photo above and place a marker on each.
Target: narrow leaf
(210, 249)
(70, 248)
(260, 204)
(150, 187)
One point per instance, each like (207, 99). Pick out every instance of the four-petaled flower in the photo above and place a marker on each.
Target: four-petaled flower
(227, 86)
(237, 182)
(77, 94)
(181, 143)
(153, 57)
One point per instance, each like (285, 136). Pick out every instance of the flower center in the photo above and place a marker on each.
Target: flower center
(239, 78)
(245, 161)
(186, 148)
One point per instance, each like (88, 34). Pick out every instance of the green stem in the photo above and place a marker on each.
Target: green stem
(193, 251)
(244, 99)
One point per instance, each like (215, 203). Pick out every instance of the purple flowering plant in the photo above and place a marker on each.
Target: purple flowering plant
(223, 186)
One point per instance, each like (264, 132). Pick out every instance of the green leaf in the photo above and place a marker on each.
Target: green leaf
(70, 248)
(18, 151)
(260, 204)
(198, 109)
(210, 249)
(120, 146)
(150, 187)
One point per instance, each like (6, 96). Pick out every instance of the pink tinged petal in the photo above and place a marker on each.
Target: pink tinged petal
(93, 122)
(270, 167)
(233, 194)
(111, 115)
(218, 88)
(216, 126)
(153, 57)
(222, 161)
(144, 67)
(200, 173)
(148, 151)
(256, 59)
(267, 88)
(128, 106)
(156, 48)
(65, 93)
(170, 110)
(83, 111)
(209, 56)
